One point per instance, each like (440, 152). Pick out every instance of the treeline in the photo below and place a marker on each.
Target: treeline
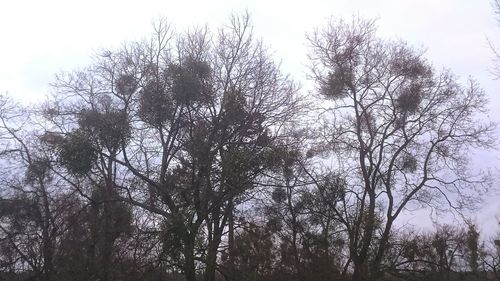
(191, 156)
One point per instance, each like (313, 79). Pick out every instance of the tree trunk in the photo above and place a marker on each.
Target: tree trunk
(212, 258)
(213, 245)
(375, 266)
(360, 271)
(189, 265)
(230, 240)
(360, 259)
(107, 243)
(47, 246)
(109, 235)
(92, 269)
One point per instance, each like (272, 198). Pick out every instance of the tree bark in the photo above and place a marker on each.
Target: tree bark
(189, 264)
(230, 240)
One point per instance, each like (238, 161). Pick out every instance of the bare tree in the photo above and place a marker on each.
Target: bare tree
(180, 126)
(34, 207)
(400, 132)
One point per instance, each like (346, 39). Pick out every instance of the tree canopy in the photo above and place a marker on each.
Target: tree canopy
(192, 156)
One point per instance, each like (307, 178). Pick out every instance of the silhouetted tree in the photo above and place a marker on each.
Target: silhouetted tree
(400, 131)
(180, 126)
(190, 156)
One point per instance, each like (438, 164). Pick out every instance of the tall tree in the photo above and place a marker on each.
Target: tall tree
(399, 130)
(180, 126)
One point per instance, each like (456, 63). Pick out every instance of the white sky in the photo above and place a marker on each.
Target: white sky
(42, 38)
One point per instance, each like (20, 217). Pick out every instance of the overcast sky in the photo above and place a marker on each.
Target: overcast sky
(42, 38)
